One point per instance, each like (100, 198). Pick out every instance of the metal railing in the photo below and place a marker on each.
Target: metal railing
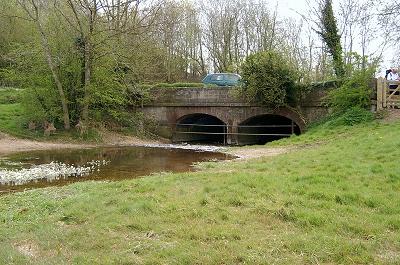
(226, 132)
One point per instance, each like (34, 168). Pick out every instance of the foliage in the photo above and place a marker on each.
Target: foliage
(269, 79)
(108, 94)
(39, 99)
(329, 204)
(355, 91)
(330, 35)
(41, 104)
(356, 63)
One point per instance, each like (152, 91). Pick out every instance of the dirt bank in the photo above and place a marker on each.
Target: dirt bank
(249, 152)
(10, 144)
(391, 115)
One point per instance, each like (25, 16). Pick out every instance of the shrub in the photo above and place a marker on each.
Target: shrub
(269, 79)
(354, 92)
(41, 104)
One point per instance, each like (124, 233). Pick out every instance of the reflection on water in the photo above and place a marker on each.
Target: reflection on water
(111, 163)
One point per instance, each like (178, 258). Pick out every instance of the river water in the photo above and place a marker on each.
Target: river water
(36, 169)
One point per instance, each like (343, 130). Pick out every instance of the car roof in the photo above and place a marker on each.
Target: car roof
(224, 74)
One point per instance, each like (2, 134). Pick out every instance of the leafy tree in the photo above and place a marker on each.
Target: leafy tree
(329, 33)
(269, 79)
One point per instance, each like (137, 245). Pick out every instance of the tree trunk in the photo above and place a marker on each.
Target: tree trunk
(60, 89)
(88, 60)
(88, 77)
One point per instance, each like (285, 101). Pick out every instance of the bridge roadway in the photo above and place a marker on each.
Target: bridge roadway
(220, 115)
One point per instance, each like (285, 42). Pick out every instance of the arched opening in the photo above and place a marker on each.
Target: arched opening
(266, 128)
(200, 128)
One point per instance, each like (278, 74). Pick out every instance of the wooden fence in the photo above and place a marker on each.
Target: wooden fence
(386, 97)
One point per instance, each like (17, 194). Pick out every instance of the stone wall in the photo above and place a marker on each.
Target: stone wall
(226, 96)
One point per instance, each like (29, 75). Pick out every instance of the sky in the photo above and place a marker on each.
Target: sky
(289, 7)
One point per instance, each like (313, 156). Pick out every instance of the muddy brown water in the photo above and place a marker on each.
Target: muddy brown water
(121, 163)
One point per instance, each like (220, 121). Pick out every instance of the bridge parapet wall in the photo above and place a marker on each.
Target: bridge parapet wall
(185, 96)
(221, 96)
(310, 105)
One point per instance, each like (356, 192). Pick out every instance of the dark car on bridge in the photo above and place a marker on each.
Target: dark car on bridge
(222, 79)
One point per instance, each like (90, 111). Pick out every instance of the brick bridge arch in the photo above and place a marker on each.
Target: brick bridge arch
(238, 116)
(230, 119)
(170, 106)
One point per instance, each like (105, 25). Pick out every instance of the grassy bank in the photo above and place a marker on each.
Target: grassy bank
(336, 202)
(11, 114)
(13, 121)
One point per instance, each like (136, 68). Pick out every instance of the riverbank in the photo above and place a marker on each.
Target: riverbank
(10, 144)
(332, 203)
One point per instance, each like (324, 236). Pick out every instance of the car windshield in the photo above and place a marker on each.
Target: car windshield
(217, 78)
(232, 78)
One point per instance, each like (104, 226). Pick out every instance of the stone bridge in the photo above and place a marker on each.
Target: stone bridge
(220, 115)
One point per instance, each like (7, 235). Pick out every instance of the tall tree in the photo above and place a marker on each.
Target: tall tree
(329, 33)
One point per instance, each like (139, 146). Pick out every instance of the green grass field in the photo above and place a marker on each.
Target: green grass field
(335, 200)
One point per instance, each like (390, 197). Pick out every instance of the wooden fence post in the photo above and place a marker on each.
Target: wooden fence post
(379, 94)
(385, 89)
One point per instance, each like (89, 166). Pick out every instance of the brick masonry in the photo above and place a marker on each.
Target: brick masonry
(170, 105)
